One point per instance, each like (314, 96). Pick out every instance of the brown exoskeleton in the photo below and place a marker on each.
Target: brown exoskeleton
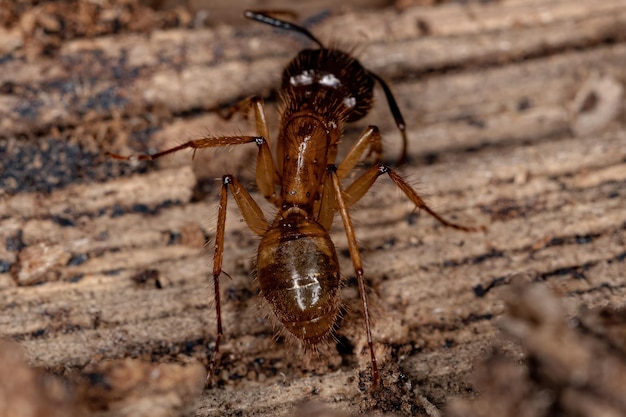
(298, 271)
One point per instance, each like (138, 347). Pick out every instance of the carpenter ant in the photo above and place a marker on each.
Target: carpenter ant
(297, 264)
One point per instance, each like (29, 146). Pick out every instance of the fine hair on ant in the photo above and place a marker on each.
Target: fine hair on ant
(297, 266)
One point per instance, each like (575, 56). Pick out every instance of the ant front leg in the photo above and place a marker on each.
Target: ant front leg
(355, 255)
(370, 141)
(266, 176)
(194, 144)
(254, 218)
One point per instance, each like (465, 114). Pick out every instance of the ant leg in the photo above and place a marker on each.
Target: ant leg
(259, 117)
(266, 175)
(255, 220)
(195, 144)
(326, 209)
(250, 210)
(355, 255)
(395, 112)
(362, 184)
(217, 271)
(369, 140)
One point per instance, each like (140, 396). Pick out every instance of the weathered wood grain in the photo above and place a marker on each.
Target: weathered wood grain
(515, 113)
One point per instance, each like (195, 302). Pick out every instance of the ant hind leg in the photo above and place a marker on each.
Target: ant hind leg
(355, 255)
(254, 218)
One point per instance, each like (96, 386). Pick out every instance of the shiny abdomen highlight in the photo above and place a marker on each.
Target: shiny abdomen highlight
(299, 276)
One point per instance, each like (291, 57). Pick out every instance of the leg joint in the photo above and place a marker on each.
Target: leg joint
(227, 179)
(374, 129)
(383, 169)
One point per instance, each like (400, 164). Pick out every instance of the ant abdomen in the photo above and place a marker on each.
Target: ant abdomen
(299, 277)
(323, 77)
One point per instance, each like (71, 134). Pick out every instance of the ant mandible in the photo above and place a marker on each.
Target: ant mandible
(297, 265)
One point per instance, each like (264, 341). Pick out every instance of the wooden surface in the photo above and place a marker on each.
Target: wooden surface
(515, 116)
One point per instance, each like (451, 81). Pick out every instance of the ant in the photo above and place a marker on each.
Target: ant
(297, 265)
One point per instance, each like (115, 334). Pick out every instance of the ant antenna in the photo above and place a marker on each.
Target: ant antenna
(395, 112)
(263, 17)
